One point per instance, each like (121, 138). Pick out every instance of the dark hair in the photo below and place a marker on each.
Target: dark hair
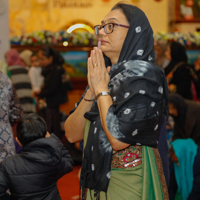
(57, 58)
(127, 9)
(178, 52)
(35, 53)
(31, 127)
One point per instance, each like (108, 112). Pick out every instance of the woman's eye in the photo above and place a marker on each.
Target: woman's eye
(110, 26)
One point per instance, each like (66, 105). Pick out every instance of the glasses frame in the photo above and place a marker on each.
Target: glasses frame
(104, 27)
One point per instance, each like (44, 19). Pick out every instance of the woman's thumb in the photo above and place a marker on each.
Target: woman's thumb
(108, 69)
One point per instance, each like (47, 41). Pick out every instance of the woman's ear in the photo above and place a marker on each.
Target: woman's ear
(18, 141)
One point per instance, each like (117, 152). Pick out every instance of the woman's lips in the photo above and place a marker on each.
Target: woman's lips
(103, 42)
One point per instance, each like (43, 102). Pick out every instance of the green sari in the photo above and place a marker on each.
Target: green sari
(142, 182)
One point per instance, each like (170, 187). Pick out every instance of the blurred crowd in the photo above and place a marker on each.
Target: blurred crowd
(183, 124)
(36, 82)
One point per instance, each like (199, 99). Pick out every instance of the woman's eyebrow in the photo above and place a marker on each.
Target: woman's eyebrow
(110, 19)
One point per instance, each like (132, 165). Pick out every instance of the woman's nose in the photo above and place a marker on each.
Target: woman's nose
(102, 31)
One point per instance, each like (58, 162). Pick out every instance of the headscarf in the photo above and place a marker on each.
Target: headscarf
(186, 151)
(26, 56)
(141, 35)
(181, 107)
(12, 58)
(178, 54)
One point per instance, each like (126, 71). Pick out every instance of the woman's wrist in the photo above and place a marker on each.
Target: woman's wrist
(89, 96)
(98, 91)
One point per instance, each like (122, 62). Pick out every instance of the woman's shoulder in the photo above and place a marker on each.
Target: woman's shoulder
(142, 66)
(147, 70)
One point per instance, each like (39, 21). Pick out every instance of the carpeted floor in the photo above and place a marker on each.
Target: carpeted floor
(68, 185)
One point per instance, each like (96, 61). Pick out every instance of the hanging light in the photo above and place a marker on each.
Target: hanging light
(83, 26)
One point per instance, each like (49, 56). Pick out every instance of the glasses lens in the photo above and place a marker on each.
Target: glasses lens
(109, 28)
(97, 29)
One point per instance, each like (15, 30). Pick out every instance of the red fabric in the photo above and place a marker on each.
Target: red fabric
(194, 93)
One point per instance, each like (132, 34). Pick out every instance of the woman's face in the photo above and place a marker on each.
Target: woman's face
(158, 50)
(44, 61)
(111, 44)
(168, 53)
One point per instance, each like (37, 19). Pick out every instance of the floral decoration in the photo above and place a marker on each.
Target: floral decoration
(89, 39)
(55, 38)
(186, 39)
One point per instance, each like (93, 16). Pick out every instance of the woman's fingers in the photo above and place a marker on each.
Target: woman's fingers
(101, 58)
(88, 69)
(108, 69)
(94, 58)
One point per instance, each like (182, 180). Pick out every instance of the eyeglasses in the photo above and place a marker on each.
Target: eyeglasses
(108, 28)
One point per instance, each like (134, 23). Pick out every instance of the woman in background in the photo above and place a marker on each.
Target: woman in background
(20, 80)
(10, 114)
(160, 49)
(52, 92)
(186, 115)
(178, 71)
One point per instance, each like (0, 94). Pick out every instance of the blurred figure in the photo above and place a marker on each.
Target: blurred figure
(160, 49)
(35, 74)
(197, 64)
(34, 172)
(178, 71)
(20, 79)
(10, 113)
(196, 89)
(53, 91)
(26, 57)
(4, 68)
(186, 115)
(185, 172)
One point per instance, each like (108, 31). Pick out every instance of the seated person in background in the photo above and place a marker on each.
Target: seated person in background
(186, 115)
(185, 172)
(160, 49)
(35, 74)
(33, 173)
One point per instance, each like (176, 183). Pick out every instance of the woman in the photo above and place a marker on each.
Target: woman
(52, 91)
(118, 116)
(20, 80)
(185, 172)
(178, 72)
(10, 113)
(186, 117)
(160, 49)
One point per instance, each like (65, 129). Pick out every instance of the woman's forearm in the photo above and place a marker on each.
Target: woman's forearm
(104, 103)
(75, 123)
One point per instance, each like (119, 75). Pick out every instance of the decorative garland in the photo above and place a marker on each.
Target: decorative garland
(88, 39)
(55, 38)
(186, 39)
